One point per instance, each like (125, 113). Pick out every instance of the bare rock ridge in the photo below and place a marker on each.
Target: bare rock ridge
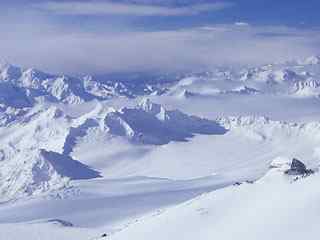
(298, 168)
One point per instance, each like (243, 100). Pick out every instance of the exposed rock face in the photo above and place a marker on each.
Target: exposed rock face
(298, 168)
(61, 222)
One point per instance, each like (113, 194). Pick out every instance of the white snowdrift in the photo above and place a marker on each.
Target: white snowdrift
(275, 207)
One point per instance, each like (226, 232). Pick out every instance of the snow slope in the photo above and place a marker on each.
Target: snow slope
(81, 157)
(275, 207)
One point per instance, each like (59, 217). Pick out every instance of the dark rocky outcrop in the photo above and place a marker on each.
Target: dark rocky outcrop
(298, 168)
(61, 222)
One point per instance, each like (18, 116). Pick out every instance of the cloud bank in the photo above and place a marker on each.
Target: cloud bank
(48, 43)
(112, 8)
(161, 50)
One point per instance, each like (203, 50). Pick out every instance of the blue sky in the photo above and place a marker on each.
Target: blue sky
(105, 35)
(282, 12)
(295, 13)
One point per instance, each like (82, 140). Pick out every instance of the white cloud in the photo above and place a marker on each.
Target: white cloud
(47, 46)
(241, 24)
(111, 8)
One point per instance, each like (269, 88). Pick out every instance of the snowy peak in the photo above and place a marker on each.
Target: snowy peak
(35, 154)
(9, 72)
(242, 90)
(29, 86)
(270, 75)
(27, 173)
(310, 87)
(284, 75)
(36, 172)
(150, 123)
(154, 109)
(37, 85)
(118, 126)
(313, 60)
(34, 79)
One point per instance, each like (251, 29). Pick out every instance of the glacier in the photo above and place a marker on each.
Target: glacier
(162, 156)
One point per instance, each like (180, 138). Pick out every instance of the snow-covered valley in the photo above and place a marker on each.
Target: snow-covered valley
(193, 155)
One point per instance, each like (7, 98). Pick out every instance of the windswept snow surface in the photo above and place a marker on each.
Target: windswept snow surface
(160, 156)
(274, 207)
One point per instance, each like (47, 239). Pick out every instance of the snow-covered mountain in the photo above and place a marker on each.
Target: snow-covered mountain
(232, 210)
(36, 149)
(25, 87)
(150, 123)
(141, 155)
